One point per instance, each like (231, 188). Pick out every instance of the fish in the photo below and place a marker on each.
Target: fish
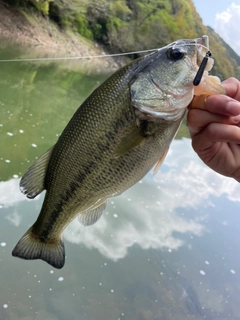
(115, 137)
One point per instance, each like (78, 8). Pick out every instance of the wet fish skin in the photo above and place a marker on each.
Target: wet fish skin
(114, 138)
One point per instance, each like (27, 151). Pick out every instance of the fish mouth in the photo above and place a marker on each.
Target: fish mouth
(202, 45)
(207, 84)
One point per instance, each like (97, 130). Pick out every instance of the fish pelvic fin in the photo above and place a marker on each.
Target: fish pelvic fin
(90, 217)
(32, 182)
(30, 247)
(160, 161)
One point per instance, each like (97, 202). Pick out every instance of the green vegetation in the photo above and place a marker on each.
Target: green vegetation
(132, 25)
(40, 5)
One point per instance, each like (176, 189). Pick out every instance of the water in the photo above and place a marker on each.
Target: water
(168, 248)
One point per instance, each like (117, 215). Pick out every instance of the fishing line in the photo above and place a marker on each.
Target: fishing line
(78, 57)
(97, 56)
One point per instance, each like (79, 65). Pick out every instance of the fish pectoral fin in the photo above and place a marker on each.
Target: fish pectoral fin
(133, 139)
(160, 161)
(90, 217)
(32, 182)
(30, 247)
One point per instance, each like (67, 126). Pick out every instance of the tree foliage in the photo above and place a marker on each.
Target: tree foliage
(40, 5)
(132, 25)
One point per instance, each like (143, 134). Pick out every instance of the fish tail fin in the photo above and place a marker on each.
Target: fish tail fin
(30, 247)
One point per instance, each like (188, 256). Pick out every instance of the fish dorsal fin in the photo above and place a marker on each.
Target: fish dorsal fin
(133, 139)
(160, 161)
(90, 217)
(32, 182)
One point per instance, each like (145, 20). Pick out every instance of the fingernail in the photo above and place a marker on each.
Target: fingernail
(233, 107)
(236, 119)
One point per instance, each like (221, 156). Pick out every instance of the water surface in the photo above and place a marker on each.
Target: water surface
(168, 248)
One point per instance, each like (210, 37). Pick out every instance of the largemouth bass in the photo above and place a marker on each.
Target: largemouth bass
(115, 137)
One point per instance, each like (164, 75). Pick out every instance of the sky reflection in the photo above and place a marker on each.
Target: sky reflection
(180, 211)
(149, 214)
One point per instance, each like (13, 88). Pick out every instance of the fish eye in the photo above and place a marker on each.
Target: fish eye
(175, 54)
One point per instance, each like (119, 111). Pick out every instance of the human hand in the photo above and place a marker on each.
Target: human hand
(215, 129)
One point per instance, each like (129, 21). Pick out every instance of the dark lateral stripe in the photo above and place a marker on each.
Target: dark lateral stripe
(65, 198)
(110, 136)
(118, 124)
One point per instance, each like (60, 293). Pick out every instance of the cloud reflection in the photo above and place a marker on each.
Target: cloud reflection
(9, 193)
(11, 196)
(192, 181)
(151, 214)
(14, 218)
(148, 213)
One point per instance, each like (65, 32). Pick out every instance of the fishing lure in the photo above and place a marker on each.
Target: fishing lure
(201, 69)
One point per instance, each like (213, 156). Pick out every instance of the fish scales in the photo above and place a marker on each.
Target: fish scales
(113, 139)
(93, 179)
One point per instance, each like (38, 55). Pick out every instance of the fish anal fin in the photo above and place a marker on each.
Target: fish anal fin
(160, 161)
(90, 217)
(32, 182)
(133, 139)
(29, 247)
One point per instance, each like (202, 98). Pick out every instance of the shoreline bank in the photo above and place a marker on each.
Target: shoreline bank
(45, 38)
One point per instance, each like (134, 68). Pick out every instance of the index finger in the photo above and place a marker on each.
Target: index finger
(232, 87)
(218, 103)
